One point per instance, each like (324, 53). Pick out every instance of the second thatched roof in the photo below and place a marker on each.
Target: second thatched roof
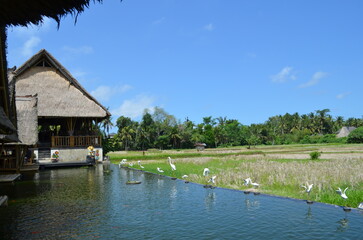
(59, 93)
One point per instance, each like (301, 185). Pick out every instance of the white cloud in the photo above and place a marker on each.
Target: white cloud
(135, 108)
(79, 50)
(78, 74)
(343, 95)
(105, 93)
(29, 45)
(284, 75)
(314, 80)
(209, 27)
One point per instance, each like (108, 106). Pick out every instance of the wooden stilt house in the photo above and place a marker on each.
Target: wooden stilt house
(23, 13)
(66, 112)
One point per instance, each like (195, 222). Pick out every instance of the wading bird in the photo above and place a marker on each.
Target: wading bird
(139, 162)
(123, 161)
(206, 172)
(173, 167)
(185, 176)
(247, 181)
(254, 184)
(212, 179)
(342, 193)
(159, 170)
(308, 187)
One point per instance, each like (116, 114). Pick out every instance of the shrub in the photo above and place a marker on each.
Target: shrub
(315, 155)
(356, 136)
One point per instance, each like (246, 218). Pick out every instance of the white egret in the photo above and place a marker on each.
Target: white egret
(139, 162)
(173, 167)
(308, 187)
(247, 181)
(185, 176)
(255, 184)
(206, 172)
(212, 179)
(159, 170)
(123, 161)
(342, 193)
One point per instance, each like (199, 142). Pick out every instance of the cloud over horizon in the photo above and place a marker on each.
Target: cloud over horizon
(343, 95)
(314, 80)
(285, 75)
(134, 108)
(105, 93)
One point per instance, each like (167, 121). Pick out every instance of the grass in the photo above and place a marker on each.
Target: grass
(280, 170)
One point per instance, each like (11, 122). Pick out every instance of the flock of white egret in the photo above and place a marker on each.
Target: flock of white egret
(248, 181)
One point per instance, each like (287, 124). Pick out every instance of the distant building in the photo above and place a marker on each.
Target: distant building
(200, 146)
(344, 131)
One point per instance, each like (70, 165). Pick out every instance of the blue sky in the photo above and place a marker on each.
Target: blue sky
(244, 60)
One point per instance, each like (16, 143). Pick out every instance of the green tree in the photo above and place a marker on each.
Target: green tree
(356, 136)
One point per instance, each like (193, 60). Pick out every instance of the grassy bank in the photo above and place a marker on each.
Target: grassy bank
(280, 170)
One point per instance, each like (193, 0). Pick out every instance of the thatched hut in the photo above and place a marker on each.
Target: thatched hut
(23, 13)
(66, 112)
(344, 131)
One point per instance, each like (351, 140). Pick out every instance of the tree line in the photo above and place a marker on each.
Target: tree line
(163, 131)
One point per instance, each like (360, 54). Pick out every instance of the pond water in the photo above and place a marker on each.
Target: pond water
(88, 203)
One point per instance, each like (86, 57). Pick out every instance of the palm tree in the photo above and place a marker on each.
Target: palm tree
(127, 136)
(175, 137)
(323, 120)
(106, 124)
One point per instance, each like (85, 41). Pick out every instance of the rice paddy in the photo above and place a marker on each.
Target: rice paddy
(280, 170)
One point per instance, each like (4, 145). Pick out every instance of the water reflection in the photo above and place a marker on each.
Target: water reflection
(210, 199)
(85, 203)
(160, 182)
(252, 204)
(309, 214)
(173, 192)
(342, 225)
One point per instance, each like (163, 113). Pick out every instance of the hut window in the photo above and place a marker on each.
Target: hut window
(43, 63)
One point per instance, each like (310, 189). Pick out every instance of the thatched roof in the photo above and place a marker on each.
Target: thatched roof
(344, 131)
(24, 12)
(59, 93)
(27, 114)
(6, 125)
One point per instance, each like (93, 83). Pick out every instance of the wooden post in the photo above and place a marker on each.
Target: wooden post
(53, 141)
(71, 141)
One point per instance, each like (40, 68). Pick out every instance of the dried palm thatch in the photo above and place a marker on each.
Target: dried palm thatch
(59, 93)
(27, 114)
(6, 126)
(24, 12)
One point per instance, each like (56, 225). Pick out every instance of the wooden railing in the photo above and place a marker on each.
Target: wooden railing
(76, 141)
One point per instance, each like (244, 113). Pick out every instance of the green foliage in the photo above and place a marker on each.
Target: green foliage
(328, 138)
(356, 136)
(161, 130)
(315, 155)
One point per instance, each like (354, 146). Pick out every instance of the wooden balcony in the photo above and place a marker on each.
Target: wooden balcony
(76, 141)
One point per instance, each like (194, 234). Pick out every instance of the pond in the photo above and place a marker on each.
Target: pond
(88, 203)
